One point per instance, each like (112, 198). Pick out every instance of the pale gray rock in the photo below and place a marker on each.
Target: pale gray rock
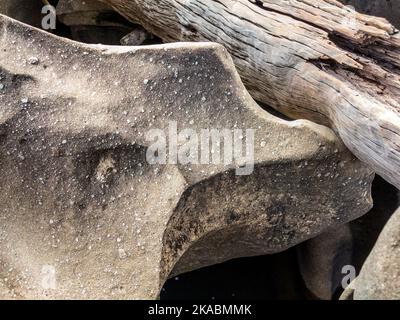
(84, 214)
(308, 59)
(379, 278)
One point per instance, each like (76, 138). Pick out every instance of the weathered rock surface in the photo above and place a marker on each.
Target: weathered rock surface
(83, 214)
(317, 60)
(379, 278)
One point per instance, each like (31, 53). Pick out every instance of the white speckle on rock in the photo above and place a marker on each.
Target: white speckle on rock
(122, 254)
(49, 281)
(33, 60)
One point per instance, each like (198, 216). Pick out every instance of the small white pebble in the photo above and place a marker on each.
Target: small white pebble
(122, 254)
(33, 60)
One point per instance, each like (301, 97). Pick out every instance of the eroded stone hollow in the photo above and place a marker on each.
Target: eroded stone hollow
(83, 214)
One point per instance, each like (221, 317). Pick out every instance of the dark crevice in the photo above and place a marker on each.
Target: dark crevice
(269, 277)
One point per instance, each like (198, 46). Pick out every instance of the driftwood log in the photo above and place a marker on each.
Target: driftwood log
(318, 60)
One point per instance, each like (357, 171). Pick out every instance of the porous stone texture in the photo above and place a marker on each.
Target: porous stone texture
(83, 213)
(317, 60)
